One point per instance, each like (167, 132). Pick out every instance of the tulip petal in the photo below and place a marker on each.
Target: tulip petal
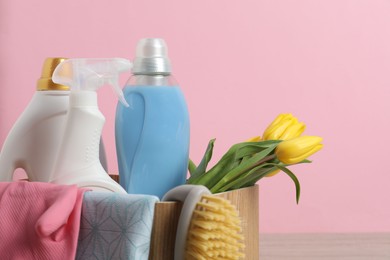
(284, 127)
(279, 119)
(293, 131)
(294, 160)
(278, 130)
(297, 149)
(254, 139)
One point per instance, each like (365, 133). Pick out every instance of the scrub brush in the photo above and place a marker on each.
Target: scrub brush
(209, 226)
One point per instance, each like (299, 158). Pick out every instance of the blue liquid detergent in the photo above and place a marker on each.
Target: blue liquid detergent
(152, 139)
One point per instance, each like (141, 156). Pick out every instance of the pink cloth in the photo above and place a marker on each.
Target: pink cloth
(39, 220)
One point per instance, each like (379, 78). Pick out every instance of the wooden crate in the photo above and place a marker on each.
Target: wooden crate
(166, 216)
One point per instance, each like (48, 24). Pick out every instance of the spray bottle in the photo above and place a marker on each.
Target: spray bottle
(78, 157)
(34, 139)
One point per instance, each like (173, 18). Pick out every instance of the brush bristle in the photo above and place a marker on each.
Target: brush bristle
(215, 231)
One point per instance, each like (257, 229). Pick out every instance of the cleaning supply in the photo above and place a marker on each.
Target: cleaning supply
(34, 139)
(77, 161)
(152, 135)
(209, 226)
(124, 222)
(39, 220)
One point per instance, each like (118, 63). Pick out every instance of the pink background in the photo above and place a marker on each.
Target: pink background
(240, 64)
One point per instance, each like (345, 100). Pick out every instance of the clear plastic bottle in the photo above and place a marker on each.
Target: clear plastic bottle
(152, 134)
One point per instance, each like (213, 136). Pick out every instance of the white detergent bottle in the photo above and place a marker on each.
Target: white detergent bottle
(78, 157)
(34, 139)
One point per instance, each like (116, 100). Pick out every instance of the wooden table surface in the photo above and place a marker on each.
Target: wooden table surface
(359, 246)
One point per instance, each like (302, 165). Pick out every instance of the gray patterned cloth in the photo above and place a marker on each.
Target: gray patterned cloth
(115, 226)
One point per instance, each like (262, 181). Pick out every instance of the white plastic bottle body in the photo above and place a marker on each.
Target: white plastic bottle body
(78, 158)
(33, 141)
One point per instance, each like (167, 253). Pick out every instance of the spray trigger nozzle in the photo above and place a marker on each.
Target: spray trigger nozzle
(91, 74)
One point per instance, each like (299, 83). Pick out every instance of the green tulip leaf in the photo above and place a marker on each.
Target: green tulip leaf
(306, 161)
(248, 178)
(227, 162)
(249, 149)
(294, 178)
(206, 158)
(228, 176)
(201, 169)
(252, 180)
(191, 166)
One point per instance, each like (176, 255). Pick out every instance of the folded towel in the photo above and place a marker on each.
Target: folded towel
(39, 220)
(115, 226)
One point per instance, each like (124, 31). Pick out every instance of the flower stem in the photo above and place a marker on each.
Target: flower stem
(226, 179)
(265, 159)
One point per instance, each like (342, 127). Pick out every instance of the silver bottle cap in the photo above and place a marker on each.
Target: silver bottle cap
(151, 58)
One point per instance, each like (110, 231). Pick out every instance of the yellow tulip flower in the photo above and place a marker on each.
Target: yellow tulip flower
(297, 149)
(284, 127)
(254, 139)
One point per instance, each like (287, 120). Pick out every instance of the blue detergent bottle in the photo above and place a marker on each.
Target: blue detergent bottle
(152, 135)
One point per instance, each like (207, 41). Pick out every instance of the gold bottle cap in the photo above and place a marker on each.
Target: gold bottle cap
(45, 82)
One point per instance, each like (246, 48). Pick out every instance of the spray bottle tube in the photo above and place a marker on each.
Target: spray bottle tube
(78, 157)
